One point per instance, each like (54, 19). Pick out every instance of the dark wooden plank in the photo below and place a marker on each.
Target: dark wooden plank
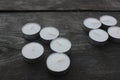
(60, 5)
(88, 62)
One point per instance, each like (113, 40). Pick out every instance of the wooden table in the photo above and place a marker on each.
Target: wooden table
(88, 62)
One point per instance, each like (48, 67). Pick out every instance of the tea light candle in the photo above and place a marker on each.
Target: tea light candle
(49, 33)
(31, 30)
(91, 23)
(114, 33)
(58, 63)
(60, 45)
(98, 37)
(32, 51)
(108, 21)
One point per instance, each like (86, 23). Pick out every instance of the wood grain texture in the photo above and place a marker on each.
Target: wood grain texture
(88, 62)
(59, 5)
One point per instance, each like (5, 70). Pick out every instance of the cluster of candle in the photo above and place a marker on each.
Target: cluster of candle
(101, 30)
(57, 62)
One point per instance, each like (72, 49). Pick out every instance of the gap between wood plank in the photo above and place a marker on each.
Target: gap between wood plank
(14, 11)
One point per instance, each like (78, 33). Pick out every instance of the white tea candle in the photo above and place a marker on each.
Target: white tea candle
(91, 23)
(98, 37)
(114, 33)
(58, 63)
(60, 45)
(49, 33)
(108, 21)
(32, 51)
(31, 30)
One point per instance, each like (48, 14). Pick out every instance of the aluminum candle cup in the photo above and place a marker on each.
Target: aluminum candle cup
(91, 23)
(31, 31)
(108, 21)
(98, 37)
(49, 33)
(33, 52)
(58, 63)
(114, 33)
(60, 45)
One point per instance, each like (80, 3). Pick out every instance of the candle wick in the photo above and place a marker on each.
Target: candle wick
(31, 27)
(95, 23)
(96, 34)
(52, 34)
(118, 32)
(59, 43)
(106, 20)
(32, 49)
(60, 60)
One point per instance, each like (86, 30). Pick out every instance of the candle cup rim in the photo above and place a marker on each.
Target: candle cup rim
(99, 40)
(57, 70)
(60, 38)
(49, 27)
(34, 57)
(108, 24)
(29, 24)
(109, 32)
(100, 24)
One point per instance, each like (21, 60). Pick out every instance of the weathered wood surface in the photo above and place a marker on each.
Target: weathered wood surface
(59, 4)
(88, 62)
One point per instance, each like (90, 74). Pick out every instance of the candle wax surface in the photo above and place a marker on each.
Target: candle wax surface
(114, 32)
(98, 35)
(49, 33)
(108, 20)
(32, 50)
(58, 62)
(60, 45)
(92, 23)
(31, 28)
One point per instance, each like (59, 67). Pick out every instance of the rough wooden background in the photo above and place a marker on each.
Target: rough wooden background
(88, 62)
(59, 4)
